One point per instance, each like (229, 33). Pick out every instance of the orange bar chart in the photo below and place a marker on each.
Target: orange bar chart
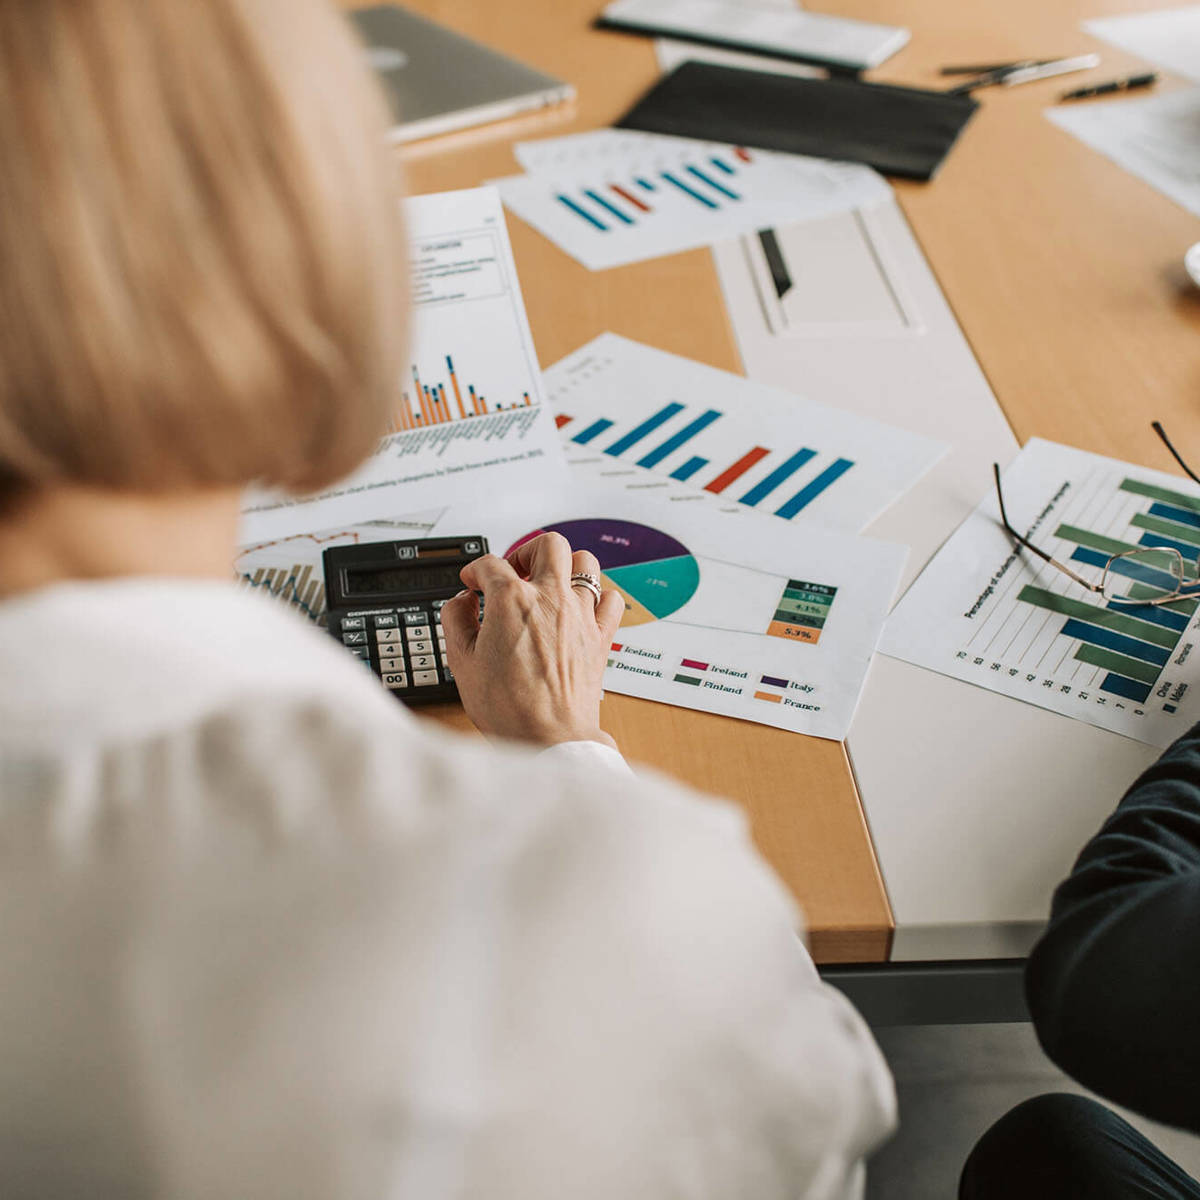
(436, 406)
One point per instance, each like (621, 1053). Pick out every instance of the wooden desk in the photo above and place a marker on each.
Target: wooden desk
(1066, 276)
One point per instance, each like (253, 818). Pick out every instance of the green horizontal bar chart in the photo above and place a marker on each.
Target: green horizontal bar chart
(1170, 529)
(1141, 591)
(1106, 618)
(1095, 541)
(1131, 668)
(1166, 495)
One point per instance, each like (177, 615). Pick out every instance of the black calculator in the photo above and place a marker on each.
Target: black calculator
(385, 606)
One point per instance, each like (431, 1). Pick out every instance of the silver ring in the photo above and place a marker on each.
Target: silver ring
(584, 579)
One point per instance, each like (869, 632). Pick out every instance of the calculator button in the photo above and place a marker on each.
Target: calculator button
(395, 679)
(387, 621)
(387, 636)
(424, 678)
(362, 652)
(445, 659)
(391, 664)
(416, 618)
(423, 662)
(354, 623)
(355, 637)
(418, 633)
(420, 647)
(472, 547)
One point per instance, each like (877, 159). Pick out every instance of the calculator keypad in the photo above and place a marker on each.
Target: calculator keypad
(405, 646)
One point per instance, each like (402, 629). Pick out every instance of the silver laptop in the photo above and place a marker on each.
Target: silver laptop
(438, 81)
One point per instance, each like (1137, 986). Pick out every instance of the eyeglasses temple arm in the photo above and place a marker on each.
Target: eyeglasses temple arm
(1166, 441)
(1007, 525)
(1024, 541)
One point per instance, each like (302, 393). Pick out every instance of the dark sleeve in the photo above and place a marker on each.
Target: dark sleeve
(1114, 984)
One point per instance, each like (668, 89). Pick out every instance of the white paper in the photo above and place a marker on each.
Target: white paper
(851, 43)
(671, 53)
(613, 197)
(291, 569)
(1169, 38)
(812, 464)
(1015, 625)
(708, 625)
(1156, 138)
(486, 425)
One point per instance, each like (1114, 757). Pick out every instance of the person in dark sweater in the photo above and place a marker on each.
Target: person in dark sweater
(1114, 991)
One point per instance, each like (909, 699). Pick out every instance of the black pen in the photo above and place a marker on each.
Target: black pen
(1115, 85)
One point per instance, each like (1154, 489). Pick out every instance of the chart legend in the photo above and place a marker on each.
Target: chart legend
(802, 612)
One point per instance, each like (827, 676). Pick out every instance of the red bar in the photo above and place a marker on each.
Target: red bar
(739, 468)
(696, 666)
(560, 421)
(630, 197)
(742, 153)
(616, 645)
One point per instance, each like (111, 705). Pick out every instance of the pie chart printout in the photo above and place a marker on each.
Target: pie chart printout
(656, 574)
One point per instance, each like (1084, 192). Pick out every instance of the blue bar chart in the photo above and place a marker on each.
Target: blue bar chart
(706, 184)
(677, 425)
(609, 197)
(625, 411)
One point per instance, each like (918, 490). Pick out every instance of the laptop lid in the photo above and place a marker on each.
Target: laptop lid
(437, 81)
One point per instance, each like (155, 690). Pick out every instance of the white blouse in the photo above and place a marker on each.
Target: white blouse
(264, 936)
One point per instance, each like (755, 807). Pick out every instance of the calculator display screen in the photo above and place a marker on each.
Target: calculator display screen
(399, 580)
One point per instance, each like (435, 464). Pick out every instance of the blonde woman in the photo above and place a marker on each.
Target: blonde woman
(261, 934)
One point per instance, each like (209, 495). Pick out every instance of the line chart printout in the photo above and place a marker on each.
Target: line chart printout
(1008, 622)
(290, 569)
(611, 197)
(469, 413)
(724, 613)
(658, 424)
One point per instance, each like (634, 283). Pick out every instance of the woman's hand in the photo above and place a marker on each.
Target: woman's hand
(533, 668)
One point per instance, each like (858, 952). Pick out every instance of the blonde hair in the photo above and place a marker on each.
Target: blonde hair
(201, 279)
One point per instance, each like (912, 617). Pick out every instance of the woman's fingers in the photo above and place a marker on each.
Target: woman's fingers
(486, 573)
(460, 622)
(584, 562)
(545, 558)
(609, 612)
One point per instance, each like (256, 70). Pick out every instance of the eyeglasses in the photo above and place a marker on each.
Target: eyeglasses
(1147, 575)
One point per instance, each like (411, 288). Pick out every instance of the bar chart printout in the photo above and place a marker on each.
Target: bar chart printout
(647, 420)
(722, 613)
(1004, 620)
(469, 414)
(290, 569)
(611, 196)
